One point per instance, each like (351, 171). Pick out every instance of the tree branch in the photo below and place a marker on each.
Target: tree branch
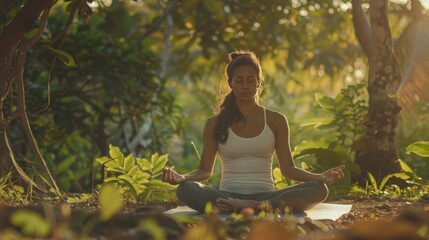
(61, 36)
(362, 27)
(154, 26)
(24, 117)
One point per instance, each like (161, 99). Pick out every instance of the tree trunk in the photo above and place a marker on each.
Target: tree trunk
(10, 39)
(12, 36)
(378, 152)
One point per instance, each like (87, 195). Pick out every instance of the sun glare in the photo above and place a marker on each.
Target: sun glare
(425, 3)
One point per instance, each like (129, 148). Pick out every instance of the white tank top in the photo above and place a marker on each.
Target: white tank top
(247, 162)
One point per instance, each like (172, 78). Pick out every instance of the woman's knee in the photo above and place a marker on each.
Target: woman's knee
(185, 189)
(319, 189)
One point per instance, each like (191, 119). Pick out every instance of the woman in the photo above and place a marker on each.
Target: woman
(245, 135)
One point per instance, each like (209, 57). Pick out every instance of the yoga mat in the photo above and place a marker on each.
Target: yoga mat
(323, 211)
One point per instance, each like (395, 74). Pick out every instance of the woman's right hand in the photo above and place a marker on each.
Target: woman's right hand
(171, 176)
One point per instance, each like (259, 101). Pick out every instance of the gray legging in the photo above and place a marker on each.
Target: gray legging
(299, 197)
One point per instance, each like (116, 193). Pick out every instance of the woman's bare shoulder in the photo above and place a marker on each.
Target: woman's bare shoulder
(211, 121)
(276, 117)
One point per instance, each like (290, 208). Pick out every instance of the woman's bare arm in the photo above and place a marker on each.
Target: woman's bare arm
(205, 170)
(286, 163)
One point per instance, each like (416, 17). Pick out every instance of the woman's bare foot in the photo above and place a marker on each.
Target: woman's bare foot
(235, 205)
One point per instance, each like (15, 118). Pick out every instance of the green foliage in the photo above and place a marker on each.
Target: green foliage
(114, 94)
(420, 148)
(138, 177)
(343, 121)
(31, 223)
(268, 28)
(11, 191)
(70, 159)
(80, 198)
(280, 181)
(416, 154)
(343, 114)
(110, 201)
(415, 188)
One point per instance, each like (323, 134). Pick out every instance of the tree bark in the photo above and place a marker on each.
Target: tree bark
(378, 152)
(10, 40)
(12, 36)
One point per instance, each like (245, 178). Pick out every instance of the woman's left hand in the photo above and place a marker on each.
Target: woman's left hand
(333, 175)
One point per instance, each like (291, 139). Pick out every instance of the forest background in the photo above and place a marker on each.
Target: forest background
(144, 75)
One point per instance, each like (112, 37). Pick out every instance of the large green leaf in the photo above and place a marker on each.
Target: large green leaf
(111, 179)
(156, 183)
(340, 104)
(127, 178)
(318, 122)
(144, 164)
(325, 102)
(103, 160)
(117, 155)
(420, 148)
(134, 170)
(405, 166)
(403, 176)
(132, 185)
(114, 169)
(373, 182)
(328, 158)
(129, 162)
(141, 177)
(304, 145)
(158, 163)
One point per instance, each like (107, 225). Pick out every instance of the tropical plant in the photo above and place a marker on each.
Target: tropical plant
(414, 189)
(137, 177)
(341, 122)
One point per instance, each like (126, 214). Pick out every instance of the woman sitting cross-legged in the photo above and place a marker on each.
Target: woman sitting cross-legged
(245, 135)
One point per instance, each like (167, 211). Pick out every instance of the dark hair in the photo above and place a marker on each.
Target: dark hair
(227, 109)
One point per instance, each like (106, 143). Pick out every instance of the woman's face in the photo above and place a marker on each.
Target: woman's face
(245, 83)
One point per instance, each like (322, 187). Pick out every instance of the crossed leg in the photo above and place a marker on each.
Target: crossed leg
(299, 197)
(196, 195)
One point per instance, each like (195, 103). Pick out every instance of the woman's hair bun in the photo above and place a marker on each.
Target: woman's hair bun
(235, 55)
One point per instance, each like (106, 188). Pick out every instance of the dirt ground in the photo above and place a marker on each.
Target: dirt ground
(373, 208)
(369, 217)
